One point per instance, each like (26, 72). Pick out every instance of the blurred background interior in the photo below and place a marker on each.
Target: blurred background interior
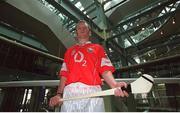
(139, 36)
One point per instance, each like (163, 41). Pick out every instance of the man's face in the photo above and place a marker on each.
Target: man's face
(82, 30)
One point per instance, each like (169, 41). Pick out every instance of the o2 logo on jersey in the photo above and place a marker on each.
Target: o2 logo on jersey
(79, 57)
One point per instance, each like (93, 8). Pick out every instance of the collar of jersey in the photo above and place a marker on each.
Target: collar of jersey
(88, 42)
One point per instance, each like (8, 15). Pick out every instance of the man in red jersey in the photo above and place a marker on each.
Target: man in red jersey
(83, 67)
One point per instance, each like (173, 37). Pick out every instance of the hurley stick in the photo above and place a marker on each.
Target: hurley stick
(142, 85)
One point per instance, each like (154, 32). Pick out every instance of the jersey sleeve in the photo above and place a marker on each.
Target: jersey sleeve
(64, 69)
(105, 63)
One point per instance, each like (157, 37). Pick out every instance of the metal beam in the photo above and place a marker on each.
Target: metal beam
(67, 8)
(62, 9)
(54, 83)
(109, 23)
(32, 49)
(173, 40)
(85, 9)
(161, 61)
(120, 51)
(129, 38)
(78, 13)
(146, 23)
(142, 13)
(116, 5)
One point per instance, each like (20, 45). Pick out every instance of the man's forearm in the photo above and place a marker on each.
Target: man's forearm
(61, 85)
(108, 77)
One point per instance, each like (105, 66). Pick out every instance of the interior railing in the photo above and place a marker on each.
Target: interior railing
(34, 96)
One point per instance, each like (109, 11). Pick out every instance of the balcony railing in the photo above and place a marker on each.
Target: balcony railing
(34, 96)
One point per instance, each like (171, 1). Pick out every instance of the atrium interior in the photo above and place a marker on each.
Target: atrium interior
(139, 36)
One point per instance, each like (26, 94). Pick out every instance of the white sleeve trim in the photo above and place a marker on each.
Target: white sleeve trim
(105, 62)
(64, 67)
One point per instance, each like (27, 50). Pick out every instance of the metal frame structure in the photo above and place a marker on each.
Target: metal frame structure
(66, 7)
(133, 24)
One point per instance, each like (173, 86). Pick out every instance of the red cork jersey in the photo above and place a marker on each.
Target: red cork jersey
(85, 63)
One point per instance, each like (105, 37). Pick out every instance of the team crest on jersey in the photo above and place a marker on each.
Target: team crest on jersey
(90, 50)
